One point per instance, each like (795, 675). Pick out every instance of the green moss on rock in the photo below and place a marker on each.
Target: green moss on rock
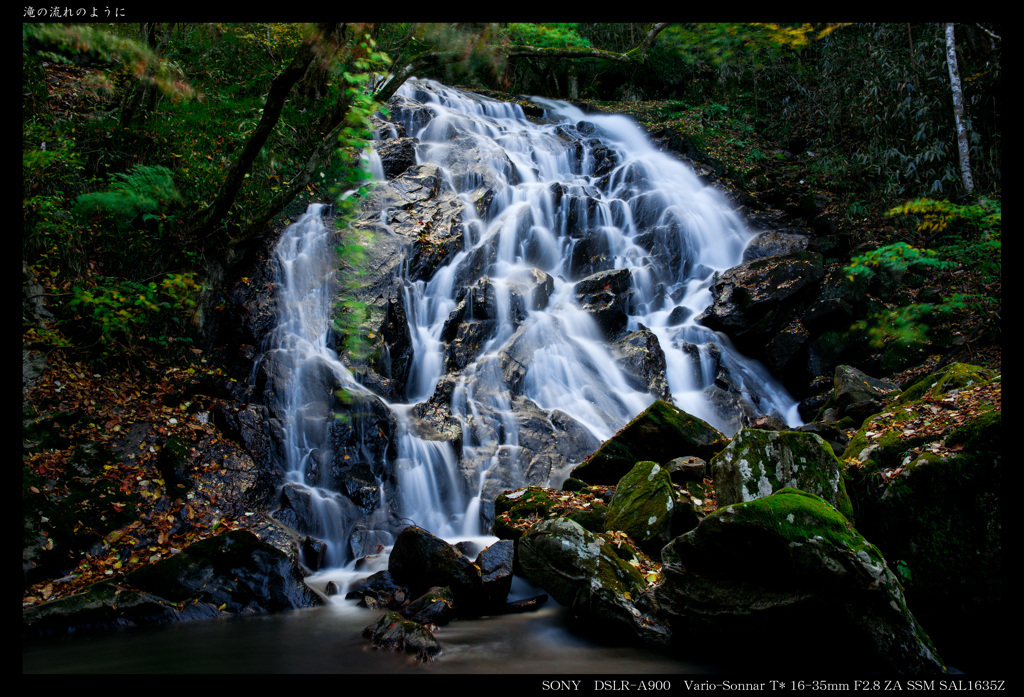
(758, 463)
(642, 506)
(660, 433)
(583, 571)
(952, 377)
(772, 569)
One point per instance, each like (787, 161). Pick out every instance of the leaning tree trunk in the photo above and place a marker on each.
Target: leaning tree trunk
(278, 93)
(958, 111)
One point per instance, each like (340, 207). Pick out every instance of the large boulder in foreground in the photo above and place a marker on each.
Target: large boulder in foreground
(759, 463)
(789, 575)
(582, 571)
(421, 560)
(661, 433)
(234, 573)
(929, 493)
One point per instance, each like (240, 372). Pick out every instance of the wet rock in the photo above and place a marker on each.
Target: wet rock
(590, 254)
(421, 212)
(604, 295)
(639, 356)
(770, 569)
(393, 632)
(547, 444)
(98, 607)
(365, 432)
(396, 155)
(515, 357)
(384, 130)
(660, 433)
(331, 589)
(313, 553)
(581, 571)
(412, 115)
(754, 300)
(422, 560)
(395, 361)
(759, 463)
(469, 548)
(787, 343)
(379, 590)
(534, 286)
(358, 482)
(686, 469)
(366, 542)
(774, 243)
(678, 316)
(297, 509)
(436, 606)
(495, 565)
(857, 394)
(231, 573)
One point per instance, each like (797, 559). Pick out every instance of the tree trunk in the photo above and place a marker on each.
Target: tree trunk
(279, 89)
(958, 111)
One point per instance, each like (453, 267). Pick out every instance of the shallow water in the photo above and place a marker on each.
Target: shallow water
(328, 640)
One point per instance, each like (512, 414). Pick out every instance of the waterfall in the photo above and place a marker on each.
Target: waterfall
(545, 203)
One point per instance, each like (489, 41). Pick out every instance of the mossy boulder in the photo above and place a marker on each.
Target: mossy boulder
(855, 396)
(582, 571)
(789, 574)
(642, 507)
(759, 463)
(953, 377)
(234, 570)
(922, 415)
(516, 511)
(233, 573)
(660, 433)
(938, 515)
(97, 607)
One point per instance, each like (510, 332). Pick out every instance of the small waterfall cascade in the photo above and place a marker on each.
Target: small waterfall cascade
(505, 349)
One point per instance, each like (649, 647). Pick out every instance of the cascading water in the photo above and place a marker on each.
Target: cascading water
(545, 203)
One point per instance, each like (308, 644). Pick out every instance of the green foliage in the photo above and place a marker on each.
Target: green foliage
(61, 43)
(969, 233)
(353, 140)
(976, 247)
(904, 573)
(547, 35)
(131, 198)
(120, 313)
(904, 324)
(899, 256)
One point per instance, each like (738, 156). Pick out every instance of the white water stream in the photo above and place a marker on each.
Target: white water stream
(546, 192)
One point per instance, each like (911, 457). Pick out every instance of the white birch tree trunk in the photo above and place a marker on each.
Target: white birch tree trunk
(958, 110)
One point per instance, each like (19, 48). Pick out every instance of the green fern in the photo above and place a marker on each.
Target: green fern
(141, 192)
